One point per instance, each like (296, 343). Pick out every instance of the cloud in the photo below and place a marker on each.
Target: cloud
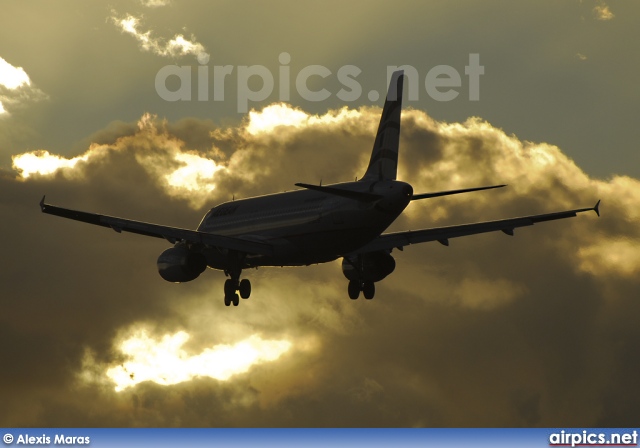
(619, 257)
(602, 12)
(43, 163)
(12, 77)
(174, 47)
(281, 114)
(493, 330)
(154, 3)
(184, 174)
(16, 87)
(166, 362)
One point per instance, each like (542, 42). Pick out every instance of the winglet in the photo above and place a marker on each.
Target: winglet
(42, 204)
(596, 208)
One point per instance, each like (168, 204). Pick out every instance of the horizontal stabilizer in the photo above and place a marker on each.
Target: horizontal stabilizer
(355, 195)
(446, 193)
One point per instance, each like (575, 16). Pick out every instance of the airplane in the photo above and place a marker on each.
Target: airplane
(316, 224)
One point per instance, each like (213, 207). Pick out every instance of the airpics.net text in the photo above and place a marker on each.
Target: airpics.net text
(440, 82)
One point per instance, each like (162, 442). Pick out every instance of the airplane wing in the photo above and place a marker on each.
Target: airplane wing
(171, 234)
(398, 240)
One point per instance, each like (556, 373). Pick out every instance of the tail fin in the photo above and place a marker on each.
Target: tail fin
(384, 157)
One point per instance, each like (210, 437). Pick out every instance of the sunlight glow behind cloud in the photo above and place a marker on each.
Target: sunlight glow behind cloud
(15, 87)
(166, 362)
(282, 114)
(42, 162)
(195, 175)
(12, 77)
(181, 173)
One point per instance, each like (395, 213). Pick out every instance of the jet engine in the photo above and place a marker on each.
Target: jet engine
(371, 267)
(179, 264)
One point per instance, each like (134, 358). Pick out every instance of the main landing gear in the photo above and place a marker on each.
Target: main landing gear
(231, 286)
(368, 289)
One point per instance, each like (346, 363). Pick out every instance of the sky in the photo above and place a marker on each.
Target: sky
(538, 329)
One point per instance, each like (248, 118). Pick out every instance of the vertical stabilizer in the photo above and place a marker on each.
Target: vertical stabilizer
(384, 157)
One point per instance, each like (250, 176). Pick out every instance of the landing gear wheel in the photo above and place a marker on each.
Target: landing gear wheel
(369, 290)
(353, 289)
(230, 296)
(245, 288)
(230, 287)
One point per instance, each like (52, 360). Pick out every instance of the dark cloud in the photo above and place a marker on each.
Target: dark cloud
(532, 330)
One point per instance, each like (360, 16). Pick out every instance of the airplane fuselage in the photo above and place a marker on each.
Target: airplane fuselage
(305, 226)
(315, 225)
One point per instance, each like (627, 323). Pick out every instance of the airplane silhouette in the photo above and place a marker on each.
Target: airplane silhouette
(314, 225)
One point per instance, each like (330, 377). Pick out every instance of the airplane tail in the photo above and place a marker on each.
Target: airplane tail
(384, 157)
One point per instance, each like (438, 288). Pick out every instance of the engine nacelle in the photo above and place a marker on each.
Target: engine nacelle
(371, 267)
(179, 264)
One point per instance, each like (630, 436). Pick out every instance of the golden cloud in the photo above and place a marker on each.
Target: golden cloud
(166, 362)
(176, 46)
(602, 12)
(16, 87)
(447, 314)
